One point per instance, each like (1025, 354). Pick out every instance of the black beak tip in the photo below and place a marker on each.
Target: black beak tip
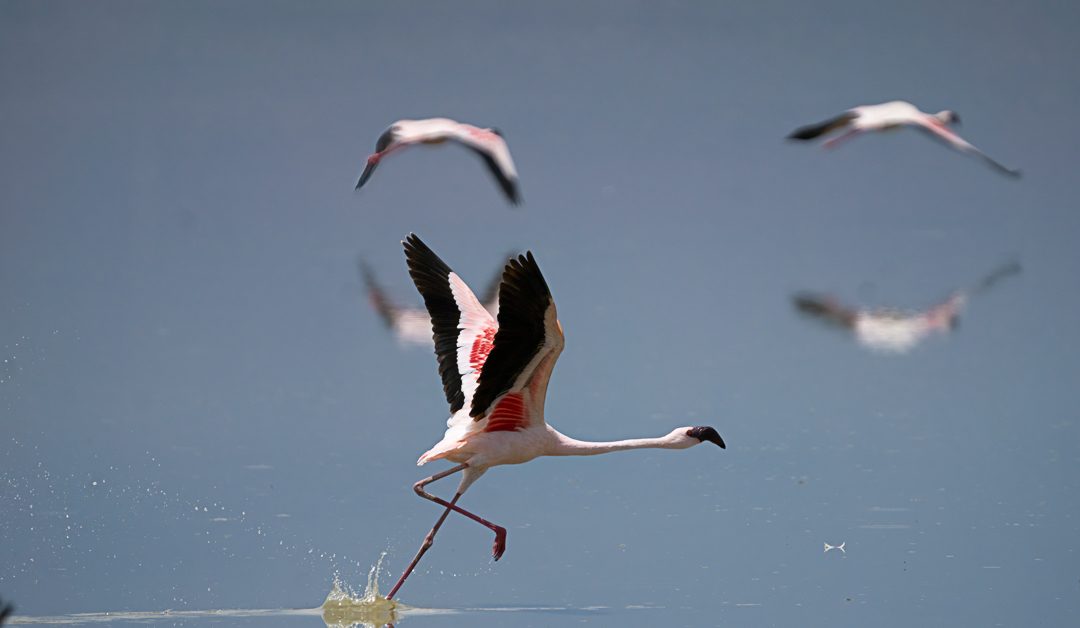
(705, 433)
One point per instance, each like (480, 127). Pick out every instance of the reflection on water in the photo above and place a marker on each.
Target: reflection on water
(889, 330)
(343, 608)
(149, 616)
(884, 330)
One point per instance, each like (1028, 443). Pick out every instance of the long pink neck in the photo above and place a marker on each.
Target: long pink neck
(566, 446)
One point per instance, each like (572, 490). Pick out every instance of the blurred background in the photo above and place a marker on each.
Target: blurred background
(201, 410)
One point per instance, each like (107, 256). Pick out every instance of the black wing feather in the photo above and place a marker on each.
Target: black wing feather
(364, 176)
(524, 299)
(381, 144)
(811, 131)
(385, 140)
(432, 278)
(988, 282)
(826, 309)
(509, 186)
(379, 300)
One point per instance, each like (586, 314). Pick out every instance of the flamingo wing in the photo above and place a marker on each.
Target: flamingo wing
(370, 168)
(462, 329)
(937, 129)
(529, 337)
(492, 148)
(386, 309)
(411, 325)
(827, 309)
(811, 131)
(988, 281)
(945, 315)
(384, 142)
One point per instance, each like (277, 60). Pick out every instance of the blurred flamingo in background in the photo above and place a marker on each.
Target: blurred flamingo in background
(893, 115)
(488, 143)
(412, 325)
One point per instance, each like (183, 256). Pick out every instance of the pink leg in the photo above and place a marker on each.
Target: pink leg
(833, 142)
(500, 533)
(428, 540)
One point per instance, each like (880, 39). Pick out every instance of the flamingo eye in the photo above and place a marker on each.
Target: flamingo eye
(689, 432)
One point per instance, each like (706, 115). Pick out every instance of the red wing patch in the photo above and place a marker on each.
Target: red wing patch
(484, 137)
(481, 348)
(508, 415)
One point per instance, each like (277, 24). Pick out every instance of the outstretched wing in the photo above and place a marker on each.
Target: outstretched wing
(811, 131)
(988, 281)
(826, 309)
(938, 130)
(492, 148)
(411, 325)
(463, 330)
(384, 142)
(368, 170)
(529, 337)
(386, 309)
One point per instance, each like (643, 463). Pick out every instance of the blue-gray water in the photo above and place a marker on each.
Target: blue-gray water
(201, 411)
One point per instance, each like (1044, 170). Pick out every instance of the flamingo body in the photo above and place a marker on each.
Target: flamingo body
(893, 115)
(487, 143)
(495, 376)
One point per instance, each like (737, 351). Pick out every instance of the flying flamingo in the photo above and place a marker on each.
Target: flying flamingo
(488, 143)
(495, 376)
(412, 326)
(893, 115)
(894, 331)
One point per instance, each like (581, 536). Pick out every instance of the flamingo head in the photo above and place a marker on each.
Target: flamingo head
(948, 117)
(701, 434)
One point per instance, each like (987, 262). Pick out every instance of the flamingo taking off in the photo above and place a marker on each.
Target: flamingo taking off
(495, 376)
(894, 331)
(893, 115)
(488, 143)
(412, 325)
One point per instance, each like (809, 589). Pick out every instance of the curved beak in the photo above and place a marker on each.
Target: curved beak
(705, 433)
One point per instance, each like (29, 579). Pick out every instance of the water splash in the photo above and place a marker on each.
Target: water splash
(344, 608)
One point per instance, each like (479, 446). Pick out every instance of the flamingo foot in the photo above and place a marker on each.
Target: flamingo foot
(500, 543)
